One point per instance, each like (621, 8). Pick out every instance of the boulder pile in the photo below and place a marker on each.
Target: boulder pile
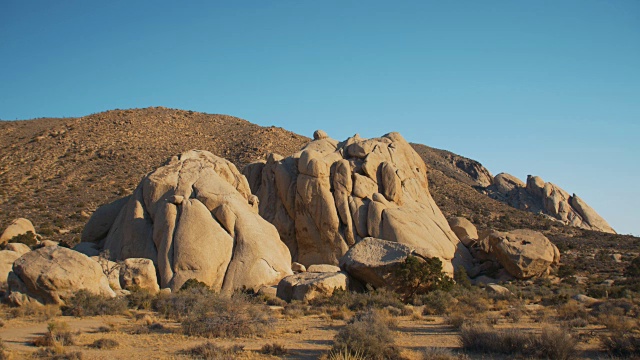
(194, 218)
(548, 199)
(330, 195)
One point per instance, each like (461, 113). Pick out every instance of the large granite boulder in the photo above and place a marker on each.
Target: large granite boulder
(139, 273)
(464, 230)
(17, 227)
(101, 221)
(7, 257)
(523, 253)
(548, 199)
(330, 195)
(375, 262)
(195, 218)
(53, 274)
(20, 248)
(309, 285)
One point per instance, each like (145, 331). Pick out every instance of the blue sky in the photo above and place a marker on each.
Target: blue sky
(550, 88)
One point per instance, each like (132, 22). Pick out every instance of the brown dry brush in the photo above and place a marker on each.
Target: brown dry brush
(551, 343)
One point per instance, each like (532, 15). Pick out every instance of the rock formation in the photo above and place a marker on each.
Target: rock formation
(523, 253)
(464, 230)
(53, 274)
(17, 227)
(195, 218)
(375, 262)
(330, 195)
(549, 199)
(309, 285)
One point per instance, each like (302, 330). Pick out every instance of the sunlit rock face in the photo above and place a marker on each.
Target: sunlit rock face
(330, 195)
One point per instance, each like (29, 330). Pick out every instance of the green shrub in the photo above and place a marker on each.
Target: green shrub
(28, 239)
(417, 276)
(367, 335)
(84, 303)
(377, 299)
(140, 299)
(193, 284)
(461, 277)
(437, 302)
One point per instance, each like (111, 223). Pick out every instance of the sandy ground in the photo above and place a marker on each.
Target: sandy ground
(306, 337)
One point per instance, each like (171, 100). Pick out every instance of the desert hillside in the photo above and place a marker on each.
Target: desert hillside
(56, 172)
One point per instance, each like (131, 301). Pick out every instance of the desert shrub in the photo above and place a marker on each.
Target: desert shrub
(344, 355)
(58, 333)
(617, 307)
(227, 317)
(552, 343)
(58, 353)
(461, 277)
(437, 302)
(378, 299)
(572, 310)
(84, 303)
(367, 335)
(35, 310)
(440, 354)
(633, 269)
(29, 239)
(194, 284)
(617, 323)
(622, 343)
(140, 299)
(419, 276)
(274, 349)
(105, 344)
(210, 350)
(4, 352)
(181, 303)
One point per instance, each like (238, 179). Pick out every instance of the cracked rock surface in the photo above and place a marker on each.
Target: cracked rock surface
(331, 195)
(196, 218)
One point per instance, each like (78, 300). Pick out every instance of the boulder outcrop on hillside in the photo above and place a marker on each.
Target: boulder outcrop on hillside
(195, 218)
(17, 227)
(546, 198)
(52, 274)
(523, 253)
(330, 195)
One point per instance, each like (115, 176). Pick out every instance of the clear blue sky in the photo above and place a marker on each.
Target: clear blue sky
(550, 88)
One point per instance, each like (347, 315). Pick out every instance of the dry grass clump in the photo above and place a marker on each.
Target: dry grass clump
(619, 343)
(354, 301)
(222, 316)
(572, 310)
(4, 352)
(441, 354)
(105, 343)
(552, 343)
(367, 335)
(84, 303)
(35, 310)
(210, 350)
(180, 304)
(58, 333)
(58, 353)
(140, 299)
(274, 349)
